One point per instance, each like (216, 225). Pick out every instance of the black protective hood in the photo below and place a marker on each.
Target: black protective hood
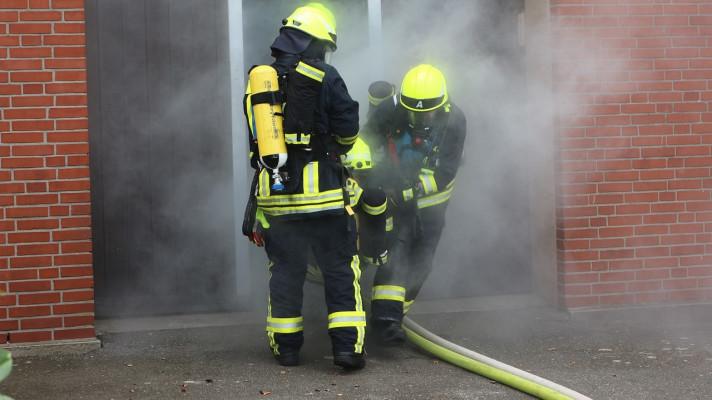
(291, 41)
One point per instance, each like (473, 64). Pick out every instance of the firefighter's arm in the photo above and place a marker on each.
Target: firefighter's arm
(342, 113)
(449, 159)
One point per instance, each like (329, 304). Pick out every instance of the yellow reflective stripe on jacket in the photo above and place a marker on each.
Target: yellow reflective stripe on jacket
(354, 190)
(301, 199)
(279, 211)
(285, 325)
(427, 179)
(345, 141)
(437, 198)
(295, 138)
(347, 319)
(263, 184)
(389, 224)
(310, 72)
(375, 210)
(310, 178)
(388, 292)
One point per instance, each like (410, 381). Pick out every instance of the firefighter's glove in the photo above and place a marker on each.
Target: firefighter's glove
(407, 196)
(257, 236)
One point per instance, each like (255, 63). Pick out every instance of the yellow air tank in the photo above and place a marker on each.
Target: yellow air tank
(268, 120)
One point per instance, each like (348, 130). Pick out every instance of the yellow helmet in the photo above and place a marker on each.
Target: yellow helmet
(359, 157)
(423, 89)
(315, 20)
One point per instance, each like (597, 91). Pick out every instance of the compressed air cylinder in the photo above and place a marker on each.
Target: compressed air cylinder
(268, 120)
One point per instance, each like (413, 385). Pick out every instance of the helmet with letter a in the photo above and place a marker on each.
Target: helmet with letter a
(423, 94)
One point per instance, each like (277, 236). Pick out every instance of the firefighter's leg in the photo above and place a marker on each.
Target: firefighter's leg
(335, 250)
(286, 248)
(422, 254)
(389, 288)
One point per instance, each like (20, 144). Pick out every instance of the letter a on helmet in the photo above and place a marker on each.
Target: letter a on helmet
(423, 89)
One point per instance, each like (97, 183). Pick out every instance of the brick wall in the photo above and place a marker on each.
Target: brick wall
(45, 228)
(634, 80)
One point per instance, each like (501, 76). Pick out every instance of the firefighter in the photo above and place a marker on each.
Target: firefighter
(305, 203)
(421, 135)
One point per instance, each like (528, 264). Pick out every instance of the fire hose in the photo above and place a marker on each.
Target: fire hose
(486, 366)
(475, 362)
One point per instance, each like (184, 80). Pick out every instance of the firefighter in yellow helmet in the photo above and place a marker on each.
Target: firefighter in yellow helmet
(305, 202)
(421, 135)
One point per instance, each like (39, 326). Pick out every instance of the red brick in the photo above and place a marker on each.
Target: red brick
(30, 336)
(32, 125)
(37, 249)
(79, 295)
(78, 148)
(68, 112)
(70, 185)
(73, 259)
(64, 40)
(39, 298)
(76, 222)
(54, 137)
(56, 4)
(70, 76)
(75, 197)
(40, 16)
(69, 28)
(12, 325)
(65, 63)
(81, 333)
(41, 323)
(76, 247)
(33, 224)
(69, 52)
(24, 28)
(36, 187)
(73, 308)
(79, 320)
(60, 88)
(31, 311)
(30, 262)
(28, 237)
(82, 283)
(24, 212)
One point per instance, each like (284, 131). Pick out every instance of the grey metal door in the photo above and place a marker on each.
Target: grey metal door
(160, 136)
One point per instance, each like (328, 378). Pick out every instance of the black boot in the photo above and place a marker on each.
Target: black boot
(388, 332)
(287, 358)
(349, 360)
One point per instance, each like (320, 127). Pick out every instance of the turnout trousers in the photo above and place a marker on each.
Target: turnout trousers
(331, 240)
(397, 283)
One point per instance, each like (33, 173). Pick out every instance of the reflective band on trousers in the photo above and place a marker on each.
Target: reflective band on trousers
(388, 292)
(347, 319)
(285, 325)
